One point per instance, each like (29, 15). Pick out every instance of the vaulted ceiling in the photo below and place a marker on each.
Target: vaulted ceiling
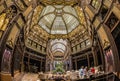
(58, 20)
(63, 21)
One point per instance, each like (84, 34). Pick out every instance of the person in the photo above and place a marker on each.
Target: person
(93, 70)
(89, 73)
(110, 61)
(81, 72)
(6, 61)
(85, 72)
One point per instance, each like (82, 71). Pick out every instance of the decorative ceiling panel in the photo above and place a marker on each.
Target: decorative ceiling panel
(47, 9)
(54, 2)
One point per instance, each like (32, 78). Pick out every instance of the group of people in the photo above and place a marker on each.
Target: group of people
(84, 72)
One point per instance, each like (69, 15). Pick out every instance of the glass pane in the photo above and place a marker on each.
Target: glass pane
(58, 26)
(70, 10)
(47, 20)
(44, 27)
(71, 22)
(47, 10)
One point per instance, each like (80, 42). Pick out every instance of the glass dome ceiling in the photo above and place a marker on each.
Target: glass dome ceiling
(58, 19)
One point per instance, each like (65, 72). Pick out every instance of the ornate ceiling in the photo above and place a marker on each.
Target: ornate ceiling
(58, 19)
(54, 19)
(54, 22)
(59, 2)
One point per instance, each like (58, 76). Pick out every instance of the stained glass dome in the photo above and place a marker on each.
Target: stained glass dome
(58, 19)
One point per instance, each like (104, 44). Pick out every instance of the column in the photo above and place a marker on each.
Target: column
(76, 64)
(41, 65)
(70, 63)
(28, 63)
(94, 56)
(22, 61)
(88, 59)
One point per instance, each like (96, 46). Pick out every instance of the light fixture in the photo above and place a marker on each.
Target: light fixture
(38, 80)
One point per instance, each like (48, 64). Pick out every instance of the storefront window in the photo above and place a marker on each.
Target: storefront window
(83, 45)
(87, 42)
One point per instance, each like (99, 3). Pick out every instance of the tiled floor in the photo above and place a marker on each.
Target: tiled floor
(18, 77)
(26, 77)
(30, 77)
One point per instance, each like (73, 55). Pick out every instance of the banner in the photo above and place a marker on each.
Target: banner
(109, 60)
(6, 61)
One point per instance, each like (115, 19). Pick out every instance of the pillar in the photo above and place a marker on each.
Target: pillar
(29, 63)
(88, 59)
(75, 64)
(94, 56)
(41, 65)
